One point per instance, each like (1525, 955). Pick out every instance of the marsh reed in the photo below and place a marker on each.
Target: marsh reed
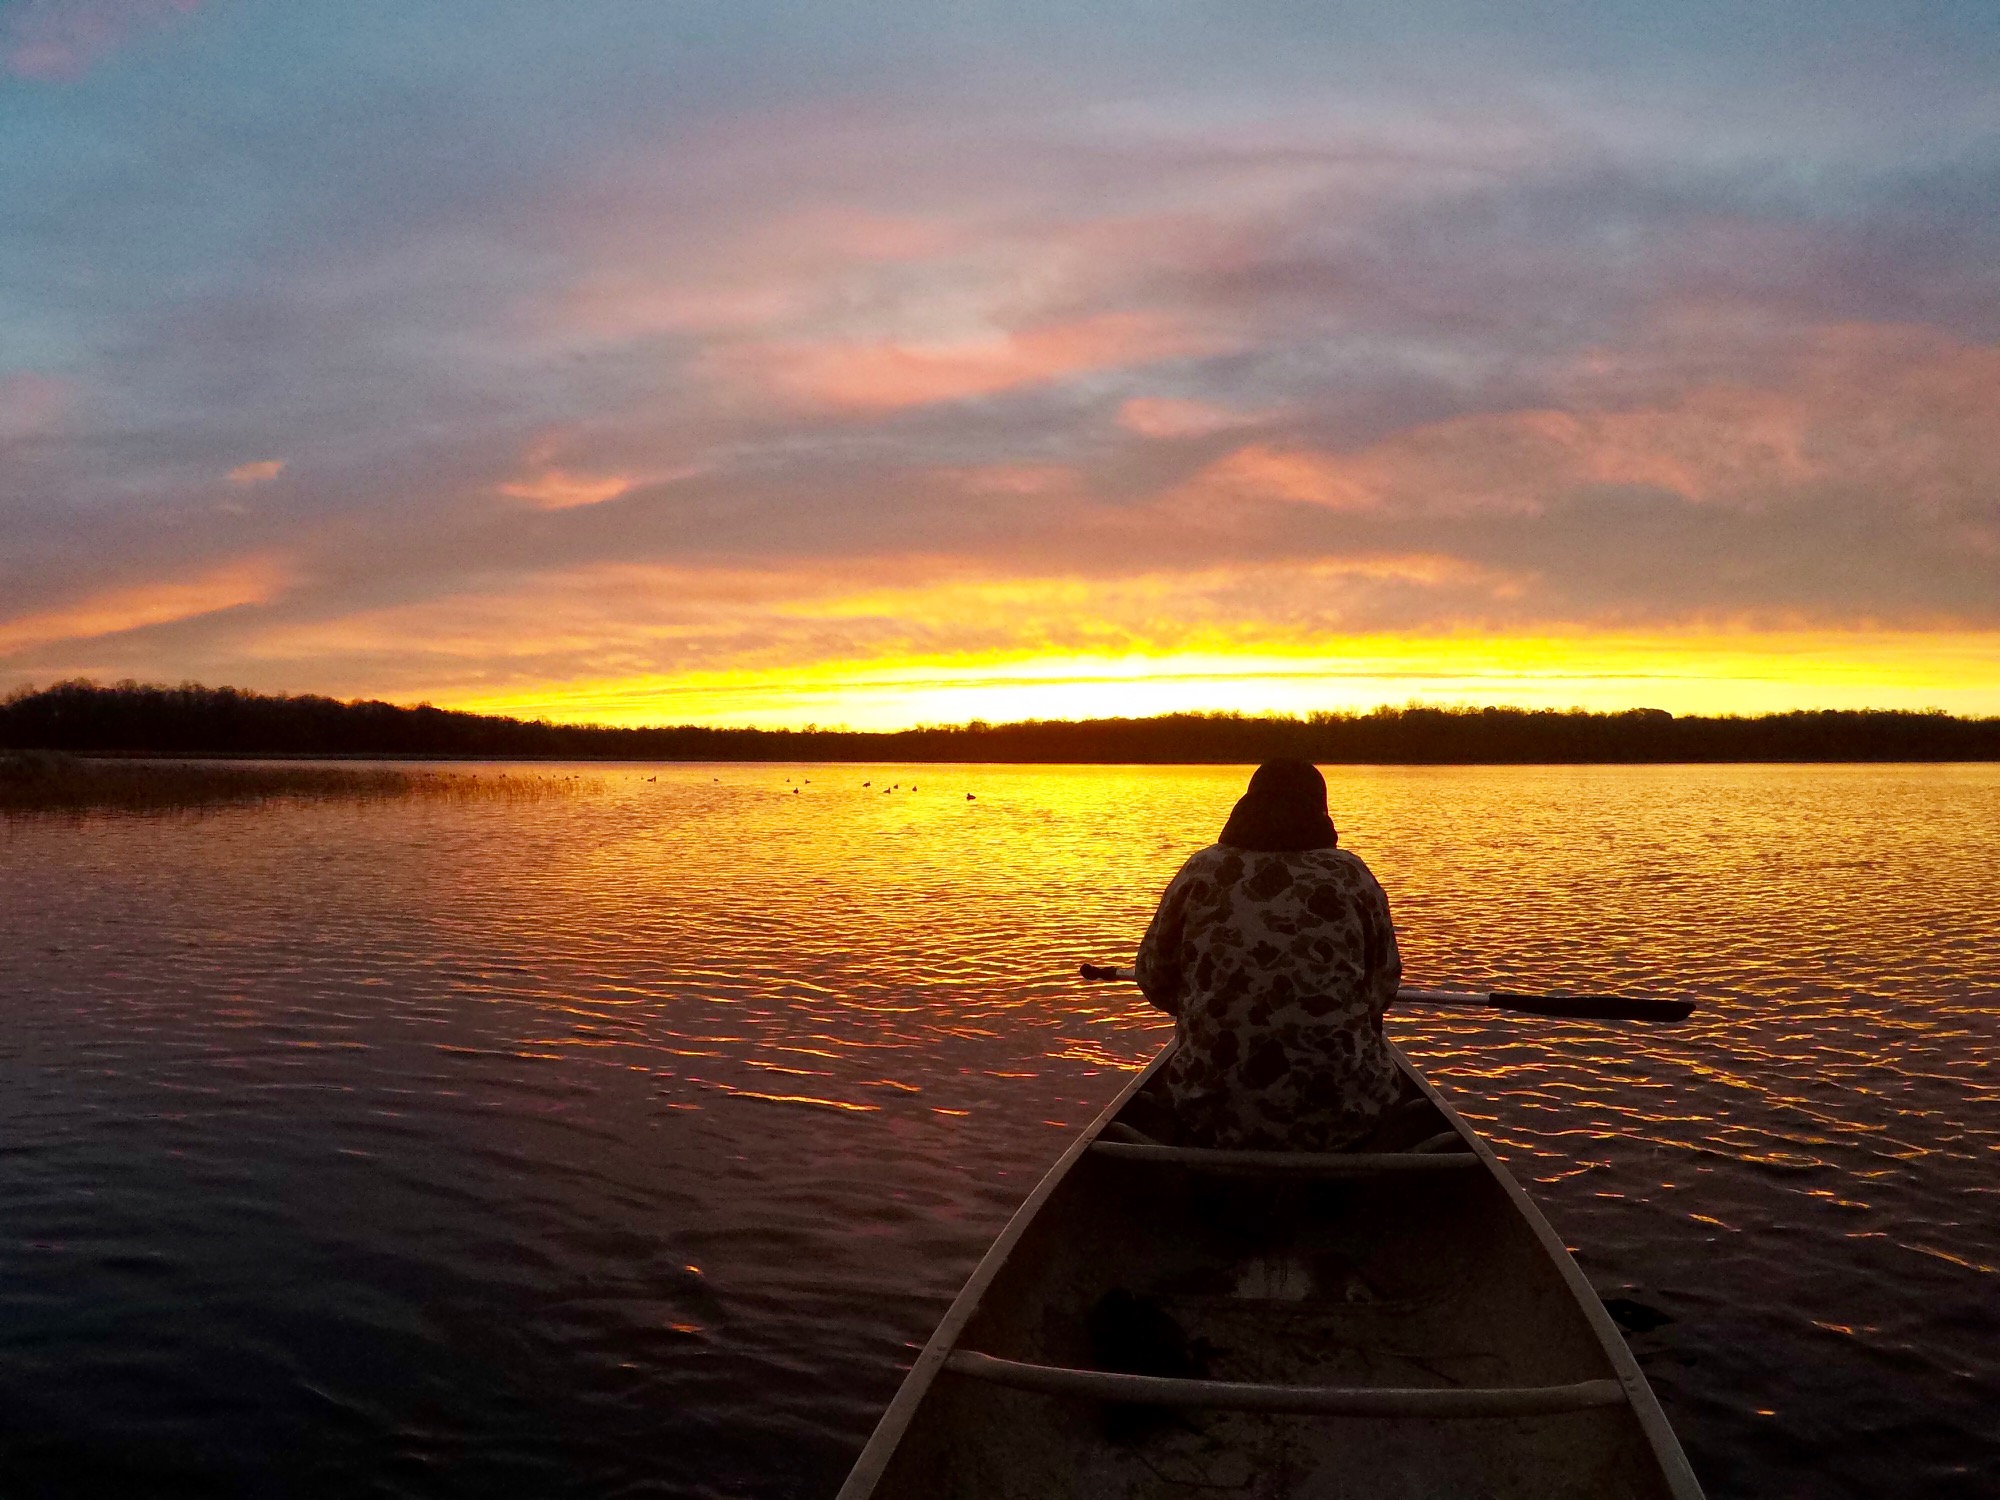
(33, 782)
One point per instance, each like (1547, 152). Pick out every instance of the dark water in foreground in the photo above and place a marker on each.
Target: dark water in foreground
(629, 1144)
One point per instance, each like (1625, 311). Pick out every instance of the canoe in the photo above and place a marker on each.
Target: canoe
(1165, 1321)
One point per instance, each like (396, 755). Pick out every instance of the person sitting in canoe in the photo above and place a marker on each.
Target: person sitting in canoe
(1273, 951)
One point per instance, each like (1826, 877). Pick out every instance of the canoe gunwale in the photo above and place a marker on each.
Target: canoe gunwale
(1425, 1403)
(1674, 1467)
(888, 1434)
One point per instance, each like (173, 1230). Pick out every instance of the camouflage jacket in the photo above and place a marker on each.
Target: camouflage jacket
(1277, 969)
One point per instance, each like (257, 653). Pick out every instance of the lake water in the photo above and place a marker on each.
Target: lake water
(630, 1143)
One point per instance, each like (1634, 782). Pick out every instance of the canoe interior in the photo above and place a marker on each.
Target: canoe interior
(1433, 1280)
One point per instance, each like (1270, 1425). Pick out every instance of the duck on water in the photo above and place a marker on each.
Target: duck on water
(1279, 1264)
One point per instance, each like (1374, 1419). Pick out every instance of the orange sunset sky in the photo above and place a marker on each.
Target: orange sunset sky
(878, 365)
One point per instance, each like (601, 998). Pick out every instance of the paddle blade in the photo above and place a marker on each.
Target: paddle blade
(1595, 1007)
(1103, 972)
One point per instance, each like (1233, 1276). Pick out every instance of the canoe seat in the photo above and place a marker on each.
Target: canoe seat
(1313, 1400)
(1118, 1130)
(1444, 1140)
(1301, 1163)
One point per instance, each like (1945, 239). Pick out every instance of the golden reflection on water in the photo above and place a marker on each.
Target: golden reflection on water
(815, 1029)
(882, 895)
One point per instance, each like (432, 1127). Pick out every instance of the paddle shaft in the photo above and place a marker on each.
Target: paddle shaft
(1573, 1007)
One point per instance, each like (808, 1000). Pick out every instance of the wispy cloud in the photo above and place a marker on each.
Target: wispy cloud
(1902, 415)
(556, 489)
(883, 376)
(163, 601)
(31, 405)
(260, 471)
(1170, 417)
(58, 40)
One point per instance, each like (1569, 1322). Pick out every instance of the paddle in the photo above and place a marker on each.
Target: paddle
(1571, 1007)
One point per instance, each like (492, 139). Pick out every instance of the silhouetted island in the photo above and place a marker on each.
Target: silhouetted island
(138, 719)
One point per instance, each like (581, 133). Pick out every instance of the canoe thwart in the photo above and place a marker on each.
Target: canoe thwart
(1301, 1163)
(1314, 1400)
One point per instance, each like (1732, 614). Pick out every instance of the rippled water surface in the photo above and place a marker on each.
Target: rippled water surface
(628, 1143)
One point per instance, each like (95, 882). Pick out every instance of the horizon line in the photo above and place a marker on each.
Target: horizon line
(1270, 716)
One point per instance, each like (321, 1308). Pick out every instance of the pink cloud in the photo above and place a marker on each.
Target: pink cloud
(1259, 471)
(886, 375)
(1718, 446)
(557, 489)
(164, 601)
(1896, 411)
(549, 485)
(263, 471)
(31, 405)
(1165, 417)
(1018, 479)
(859, 234)
(59, 40)
(649, 277)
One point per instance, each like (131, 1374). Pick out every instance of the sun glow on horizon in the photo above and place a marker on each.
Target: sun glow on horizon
(1684, 674)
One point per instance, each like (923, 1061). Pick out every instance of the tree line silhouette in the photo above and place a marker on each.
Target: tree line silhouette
(142, 719)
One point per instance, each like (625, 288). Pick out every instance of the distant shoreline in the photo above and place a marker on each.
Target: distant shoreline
(306, 757)
(198, 723)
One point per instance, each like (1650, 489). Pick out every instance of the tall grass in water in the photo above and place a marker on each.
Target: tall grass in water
(39, 781)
